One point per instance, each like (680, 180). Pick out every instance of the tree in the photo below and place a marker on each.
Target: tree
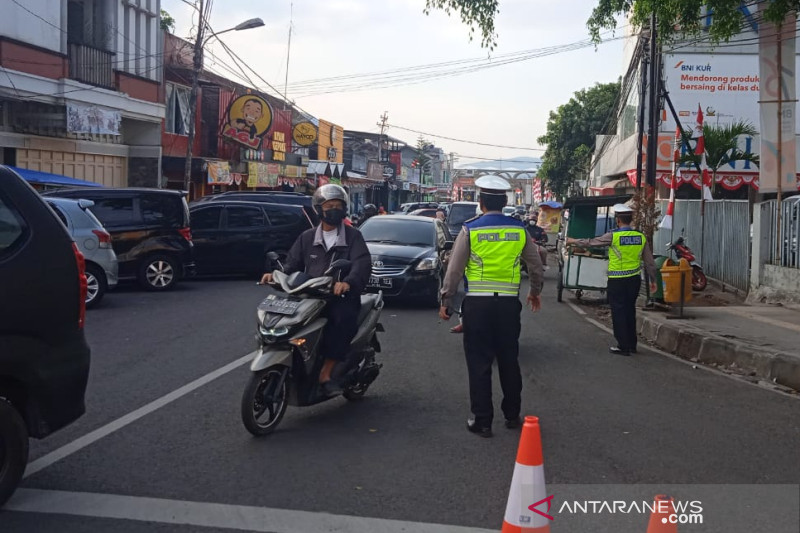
(722, 147)
(167, 22)
(570, 137)
(679, 19)
(423, 160)
(474, 13)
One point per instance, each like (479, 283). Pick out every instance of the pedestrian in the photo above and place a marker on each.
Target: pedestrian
(628, 249)
(440, 214)
(381, 210)
(487, 254)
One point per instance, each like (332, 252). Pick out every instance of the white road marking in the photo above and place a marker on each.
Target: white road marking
(93, 436)
(576, 308)
(201, 514)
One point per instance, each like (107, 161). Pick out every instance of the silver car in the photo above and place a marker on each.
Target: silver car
(93, 241)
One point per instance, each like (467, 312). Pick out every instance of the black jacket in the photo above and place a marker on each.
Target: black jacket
(308, 254)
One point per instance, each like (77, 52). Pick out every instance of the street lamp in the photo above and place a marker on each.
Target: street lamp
(197, 65)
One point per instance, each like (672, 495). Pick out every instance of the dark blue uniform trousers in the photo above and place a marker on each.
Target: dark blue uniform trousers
(491, 331)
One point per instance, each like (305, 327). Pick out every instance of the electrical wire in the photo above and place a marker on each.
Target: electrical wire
(465, 141)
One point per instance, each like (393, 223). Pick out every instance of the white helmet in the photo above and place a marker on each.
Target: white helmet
(492, 184)
(330, 191)
(621, 209)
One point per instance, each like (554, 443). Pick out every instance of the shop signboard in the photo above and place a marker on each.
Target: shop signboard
(247, 119)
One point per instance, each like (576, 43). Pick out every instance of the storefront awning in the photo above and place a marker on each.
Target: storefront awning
(611, 187)
(45, 178)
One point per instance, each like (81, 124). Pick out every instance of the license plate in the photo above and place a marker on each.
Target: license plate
(281, 306)
(379, 282)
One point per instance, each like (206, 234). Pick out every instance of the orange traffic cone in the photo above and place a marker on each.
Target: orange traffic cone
(525, 510)
(659, 518)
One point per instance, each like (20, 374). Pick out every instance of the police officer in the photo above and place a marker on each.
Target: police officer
(628, 249)
(487, 255)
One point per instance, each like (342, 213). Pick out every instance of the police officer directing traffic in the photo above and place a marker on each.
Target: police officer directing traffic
(628, 248)
(487, 255)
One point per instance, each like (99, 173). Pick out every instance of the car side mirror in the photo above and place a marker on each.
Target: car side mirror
(85, 204)
(448, 245)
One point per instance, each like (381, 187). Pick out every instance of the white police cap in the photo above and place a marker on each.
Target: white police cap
(622, 208)
(492, 184)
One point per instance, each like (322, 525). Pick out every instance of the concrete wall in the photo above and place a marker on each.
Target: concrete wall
(24, 25)
(778, 285)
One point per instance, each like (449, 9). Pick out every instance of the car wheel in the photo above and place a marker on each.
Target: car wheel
(158, 273)
(13, 450)
(96, 284)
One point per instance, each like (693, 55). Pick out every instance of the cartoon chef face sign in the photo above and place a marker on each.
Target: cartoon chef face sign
(249, 118)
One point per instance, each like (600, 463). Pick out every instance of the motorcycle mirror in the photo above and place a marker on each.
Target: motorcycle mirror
(339, 264)
(272, 256)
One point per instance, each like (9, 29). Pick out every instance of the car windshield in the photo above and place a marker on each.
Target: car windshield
(461, 213)
(398, 231)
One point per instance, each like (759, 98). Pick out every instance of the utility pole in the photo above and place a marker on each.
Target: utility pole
(197, 65)
(382, 124)
(288, 51)
(655, 75)
(642, 93)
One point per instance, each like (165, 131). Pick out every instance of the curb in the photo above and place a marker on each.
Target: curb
(696, 345)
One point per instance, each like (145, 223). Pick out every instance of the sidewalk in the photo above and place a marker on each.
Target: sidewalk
(762, 342)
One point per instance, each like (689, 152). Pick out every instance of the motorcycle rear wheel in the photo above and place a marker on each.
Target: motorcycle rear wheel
(261, 397)
(699, 280)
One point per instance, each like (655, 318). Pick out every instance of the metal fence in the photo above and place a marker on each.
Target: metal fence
(790, 231)
(725, 255)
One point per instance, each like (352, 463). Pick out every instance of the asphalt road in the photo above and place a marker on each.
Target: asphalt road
(402, 455)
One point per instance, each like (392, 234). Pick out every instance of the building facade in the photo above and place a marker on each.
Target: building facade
(81, 94)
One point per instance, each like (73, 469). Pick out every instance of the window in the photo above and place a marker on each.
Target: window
(12, 227)
(60, 213)
(177, 109)
(283, 217)
(206, 219)
(245, 217)
(165, 210)
(394, 231)
(114, 212)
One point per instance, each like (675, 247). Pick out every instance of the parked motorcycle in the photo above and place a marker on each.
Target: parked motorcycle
(682, 251)
(285, 370)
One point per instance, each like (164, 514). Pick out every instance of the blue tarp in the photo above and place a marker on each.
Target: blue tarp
(45, 178)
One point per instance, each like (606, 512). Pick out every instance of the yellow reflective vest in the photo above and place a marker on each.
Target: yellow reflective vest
(625, 255)
(495, 251)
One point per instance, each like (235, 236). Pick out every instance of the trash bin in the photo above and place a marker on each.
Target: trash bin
(671, 280)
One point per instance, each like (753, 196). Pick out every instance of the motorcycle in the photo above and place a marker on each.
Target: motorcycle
(682, 251)
(286, 367)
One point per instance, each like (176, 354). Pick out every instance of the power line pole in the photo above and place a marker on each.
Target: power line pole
(382, 124)
(288, 51)
(642, 96)
(197, 65)
(655, 75)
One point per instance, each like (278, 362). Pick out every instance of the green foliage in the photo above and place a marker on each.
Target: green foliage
(474, 13)
(678, 19)
(571, 132)
(722, 147)
(167, 22)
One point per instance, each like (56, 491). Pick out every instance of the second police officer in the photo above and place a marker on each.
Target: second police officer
(487, 254)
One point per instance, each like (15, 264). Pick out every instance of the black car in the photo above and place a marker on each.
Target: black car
(44, 358)
(149, 229)
(233, 237)
(272, 197)
(408, 254)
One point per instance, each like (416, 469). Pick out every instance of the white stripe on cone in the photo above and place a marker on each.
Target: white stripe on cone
(527, 488)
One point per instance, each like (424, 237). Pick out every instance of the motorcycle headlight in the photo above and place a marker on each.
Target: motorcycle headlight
(428, 263)
(280, 331)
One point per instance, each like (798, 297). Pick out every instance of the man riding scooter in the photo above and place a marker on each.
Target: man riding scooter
(312, 253)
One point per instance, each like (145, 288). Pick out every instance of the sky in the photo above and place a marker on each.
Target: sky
(505, 105)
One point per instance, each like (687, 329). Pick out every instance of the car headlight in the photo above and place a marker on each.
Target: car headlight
(429, 263)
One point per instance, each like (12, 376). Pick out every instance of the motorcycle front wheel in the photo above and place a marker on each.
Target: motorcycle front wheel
(699, 280)
(264, 400)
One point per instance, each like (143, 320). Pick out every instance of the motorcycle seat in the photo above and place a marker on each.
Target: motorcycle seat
(368, 302)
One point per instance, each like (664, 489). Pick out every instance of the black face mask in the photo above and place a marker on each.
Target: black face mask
(333, 217)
